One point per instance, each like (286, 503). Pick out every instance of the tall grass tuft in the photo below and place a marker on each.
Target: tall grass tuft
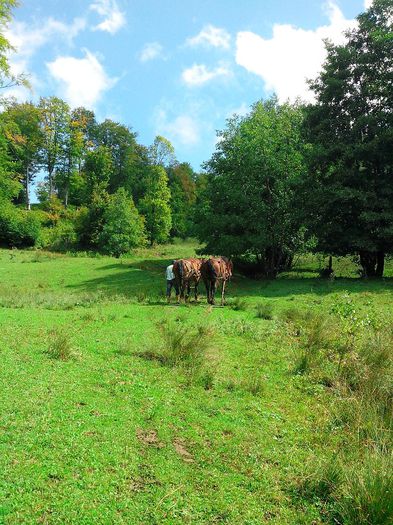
(184, 346)
(264, 311)
(367, 495)
(238, 304)
(59, 346)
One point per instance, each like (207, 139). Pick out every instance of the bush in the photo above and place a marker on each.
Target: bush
(123, 227)
(19, 228)
(62, 236)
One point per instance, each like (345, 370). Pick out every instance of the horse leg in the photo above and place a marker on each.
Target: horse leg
(207, 291)
(188, 292)
(196, 292)
(213, 291)
(223, 293)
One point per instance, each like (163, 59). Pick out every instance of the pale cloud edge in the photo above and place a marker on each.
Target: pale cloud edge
(151, 51)
(292, 55)
(183, 129)
(199, 74)
(211, 36)
(114, 19)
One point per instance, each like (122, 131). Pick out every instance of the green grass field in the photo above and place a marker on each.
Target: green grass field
(97, 428)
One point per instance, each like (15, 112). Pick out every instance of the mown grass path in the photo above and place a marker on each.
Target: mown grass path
(110, 437)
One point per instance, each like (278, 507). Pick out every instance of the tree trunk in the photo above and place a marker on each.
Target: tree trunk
(66, 198)
(380, 264)
(330, 267)
(27, 190)
(368, 261)
(50, 178)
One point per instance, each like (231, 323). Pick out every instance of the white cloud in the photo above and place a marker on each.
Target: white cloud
(183, 129)
(27, 39)
(368, 3)
(151, 51)
(199, 74)
(292, 55)
(211, 36)
(82, 81)
(114, 19)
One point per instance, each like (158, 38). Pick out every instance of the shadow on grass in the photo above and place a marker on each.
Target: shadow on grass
(147, 278)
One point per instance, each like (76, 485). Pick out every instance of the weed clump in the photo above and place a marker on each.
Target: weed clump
(186, 347)
(60, 346)
(254, 384)
(237, 304)
(264, 311)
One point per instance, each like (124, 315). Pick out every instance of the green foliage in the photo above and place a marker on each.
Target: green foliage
(183, 195)
(63, 236)
(98, 168)
(248, 205)
(24, 139)
(155, 206)
(17, 227)
(55, 126)
(123, 228)
(161, 152)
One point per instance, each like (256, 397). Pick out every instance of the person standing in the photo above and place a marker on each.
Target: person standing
(171, 282)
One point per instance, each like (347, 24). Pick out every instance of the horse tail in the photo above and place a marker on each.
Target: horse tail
(181, 269)
(212, 271)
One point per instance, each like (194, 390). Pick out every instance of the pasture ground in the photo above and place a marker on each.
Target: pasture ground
(95, 430)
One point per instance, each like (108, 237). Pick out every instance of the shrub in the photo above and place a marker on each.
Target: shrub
(18, 227)
(62, 236)
(123, 227)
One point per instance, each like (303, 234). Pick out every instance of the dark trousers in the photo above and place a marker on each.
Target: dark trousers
(171, 284)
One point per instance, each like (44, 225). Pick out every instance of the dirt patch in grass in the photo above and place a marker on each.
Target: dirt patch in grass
(182, 451)
(149, 438)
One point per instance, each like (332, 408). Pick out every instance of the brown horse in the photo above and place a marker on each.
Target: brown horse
(187, 272)
(215, 270)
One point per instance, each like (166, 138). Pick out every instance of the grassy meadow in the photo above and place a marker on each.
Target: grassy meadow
(116, 408)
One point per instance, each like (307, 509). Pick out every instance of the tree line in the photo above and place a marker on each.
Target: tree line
(285, 178)
(101, 188)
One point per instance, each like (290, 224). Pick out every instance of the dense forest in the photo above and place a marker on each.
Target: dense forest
(284, 179)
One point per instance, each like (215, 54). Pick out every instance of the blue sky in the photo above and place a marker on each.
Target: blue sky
(177, 68)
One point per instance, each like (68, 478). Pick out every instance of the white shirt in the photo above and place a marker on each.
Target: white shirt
(169, 273)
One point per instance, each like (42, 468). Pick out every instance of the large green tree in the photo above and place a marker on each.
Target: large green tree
(55, 125)
(121, 142)
(249, 199)
(24, 136)
(349, 190)
(70, 180)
